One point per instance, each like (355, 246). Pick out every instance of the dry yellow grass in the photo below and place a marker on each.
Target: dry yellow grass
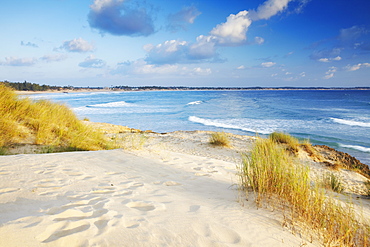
(220, 139)
(43, 122)
(278, 181)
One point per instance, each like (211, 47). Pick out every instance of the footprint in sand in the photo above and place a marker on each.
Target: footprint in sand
(194, 208)
(4, 172)
(8, 190)
(63, 229)
(218, 233)
(171, 183)
(141, 206)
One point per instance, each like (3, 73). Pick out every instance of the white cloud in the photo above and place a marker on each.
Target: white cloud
(200, 71)
(241, 67)
(326, 60)
(269, 9)
(234, 30)
(170, 51)
(259, 40)
(77, 45)
(15, 61)
(141, 67)
(330, 72)
(92, 62)
(267, 64)
(338, 58)
(53, 58)
(357, 66)
(203, 48)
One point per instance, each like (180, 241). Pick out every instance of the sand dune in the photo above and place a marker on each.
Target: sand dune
(122, 198)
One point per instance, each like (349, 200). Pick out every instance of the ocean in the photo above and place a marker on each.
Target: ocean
(337, 118)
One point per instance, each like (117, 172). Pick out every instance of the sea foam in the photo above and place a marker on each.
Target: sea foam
(224, 124)
(350, 122)
(195, 103)
(359, 148)
(113, 104)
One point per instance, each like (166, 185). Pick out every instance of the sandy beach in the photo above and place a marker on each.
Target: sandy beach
(174, 190)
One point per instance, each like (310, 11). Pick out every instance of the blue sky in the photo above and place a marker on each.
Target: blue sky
(234, 43)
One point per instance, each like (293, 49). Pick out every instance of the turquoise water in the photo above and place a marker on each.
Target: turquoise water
(337, 118)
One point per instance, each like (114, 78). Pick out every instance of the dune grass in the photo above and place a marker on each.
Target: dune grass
(292, 144)
(220, 139)
(130, 141)
(278, 181)
(44, 123)
(332, 182)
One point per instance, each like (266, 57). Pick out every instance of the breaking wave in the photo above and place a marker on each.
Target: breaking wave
(350, 122)
(359, 148)
(113, 104)
(195, 103)
(228, 125)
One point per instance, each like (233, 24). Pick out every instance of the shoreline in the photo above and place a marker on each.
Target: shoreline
(136, 89)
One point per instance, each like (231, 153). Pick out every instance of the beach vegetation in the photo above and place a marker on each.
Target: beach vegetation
(292, 144)
(130, 141)
(332, 182)
(367, 185)
(44, 123)
(277, 180)
(220, 139)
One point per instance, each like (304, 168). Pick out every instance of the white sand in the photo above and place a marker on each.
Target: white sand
(122, 198)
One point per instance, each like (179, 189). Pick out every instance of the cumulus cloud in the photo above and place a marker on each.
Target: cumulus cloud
(268, 9)
(118, 18)
(15, 61)
(330, 73)
(92, 62)
(171, 51)
(234, 30)
(181, 19)
(53, 58)
(203, 48)
(267, 64)
(29, 44)
(77, 45)
(357, 66)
